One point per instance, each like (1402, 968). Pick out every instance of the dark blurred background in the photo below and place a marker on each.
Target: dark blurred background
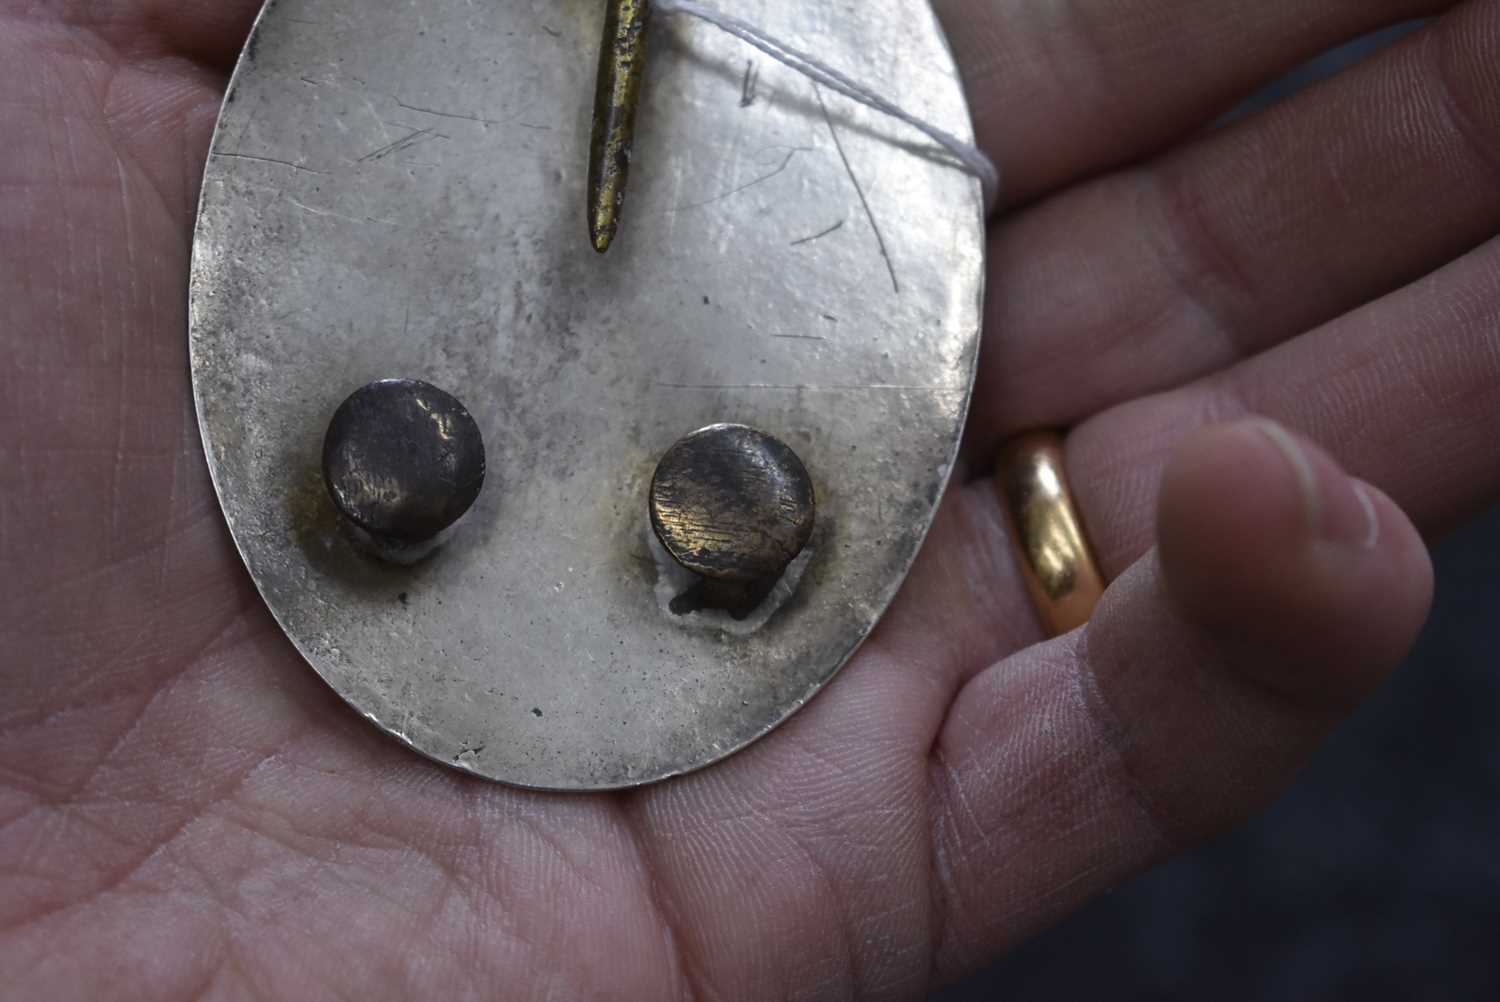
(1377, 877)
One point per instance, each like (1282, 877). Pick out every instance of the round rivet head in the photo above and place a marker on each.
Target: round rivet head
(732, 504)
(403, 460)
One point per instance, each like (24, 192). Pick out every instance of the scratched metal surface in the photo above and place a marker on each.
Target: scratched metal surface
(397, 189)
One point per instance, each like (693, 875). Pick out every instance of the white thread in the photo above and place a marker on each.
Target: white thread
(971, 157)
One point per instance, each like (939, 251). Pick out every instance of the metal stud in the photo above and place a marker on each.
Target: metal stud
(403, 461)
(733, 504)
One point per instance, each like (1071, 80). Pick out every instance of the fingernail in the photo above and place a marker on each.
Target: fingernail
(1336, 507)
(1302, 466)
(1371, 538)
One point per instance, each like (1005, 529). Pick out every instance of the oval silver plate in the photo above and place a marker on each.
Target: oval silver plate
(397, 189)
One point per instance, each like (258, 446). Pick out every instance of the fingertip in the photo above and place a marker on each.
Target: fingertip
(1316, 581)
(1403, 556)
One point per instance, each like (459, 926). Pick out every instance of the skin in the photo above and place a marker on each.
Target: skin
(1234, 323)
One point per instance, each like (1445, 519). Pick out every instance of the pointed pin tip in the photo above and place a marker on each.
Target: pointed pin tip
(601, 239)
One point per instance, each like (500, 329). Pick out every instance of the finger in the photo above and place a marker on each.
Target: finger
(1282, 592)
(98, 77)
(1063, 90)
(207, 31)
(1405, 392)
(1148, 278)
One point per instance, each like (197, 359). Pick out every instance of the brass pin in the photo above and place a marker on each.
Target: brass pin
(621, 61)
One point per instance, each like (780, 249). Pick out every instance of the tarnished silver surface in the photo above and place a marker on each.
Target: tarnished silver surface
(395, 190)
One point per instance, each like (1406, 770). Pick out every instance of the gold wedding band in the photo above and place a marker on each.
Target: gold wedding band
(1056, 560)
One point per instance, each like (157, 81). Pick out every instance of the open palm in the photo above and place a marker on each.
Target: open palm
(186, 811)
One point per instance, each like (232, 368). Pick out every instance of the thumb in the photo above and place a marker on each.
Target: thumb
(1314, 584)
(1280, 593)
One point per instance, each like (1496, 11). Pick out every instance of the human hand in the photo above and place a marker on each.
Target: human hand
(186, 810)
